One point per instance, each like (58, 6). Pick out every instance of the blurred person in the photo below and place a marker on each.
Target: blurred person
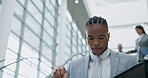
(119, 47)
(141, 43)
(101, 62)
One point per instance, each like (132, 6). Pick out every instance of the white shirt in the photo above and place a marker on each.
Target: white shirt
(105, 64)
(140, 37)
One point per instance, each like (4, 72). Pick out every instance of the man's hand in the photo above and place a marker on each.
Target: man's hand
(126, 52)
(60, 72)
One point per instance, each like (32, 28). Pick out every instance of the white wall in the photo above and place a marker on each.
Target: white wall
(123, 13)
(124, 35)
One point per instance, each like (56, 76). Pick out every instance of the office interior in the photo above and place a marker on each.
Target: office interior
(36, 36)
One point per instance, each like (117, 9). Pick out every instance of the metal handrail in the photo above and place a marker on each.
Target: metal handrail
(2, 60)
(69, 59)
(15, 62)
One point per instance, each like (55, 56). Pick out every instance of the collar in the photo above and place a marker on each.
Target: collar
(102, 56)
(141, 35)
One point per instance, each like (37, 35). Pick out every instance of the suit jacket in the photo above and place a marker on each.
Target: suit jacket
(140, 45)
(119, 63)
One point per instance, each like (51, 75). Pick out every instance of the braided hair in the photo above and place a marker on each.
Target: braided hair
(96, 20)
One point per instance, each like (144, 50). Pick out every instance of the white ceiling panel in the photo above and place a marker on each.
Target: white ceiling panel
(120, 12)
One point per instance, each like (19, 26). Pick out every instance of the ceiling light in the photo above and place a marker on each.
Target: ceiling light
(76, 1)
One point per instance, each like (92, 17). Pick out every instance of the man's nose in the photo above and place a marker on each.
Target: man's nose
(96, 42)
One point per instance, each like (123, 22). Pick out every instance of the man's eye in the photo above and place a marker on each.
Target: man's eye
(90, 38)
(101, 38)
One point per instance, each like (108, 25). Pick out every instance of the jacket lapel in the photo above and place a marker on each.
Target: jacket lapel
(114, 63)
(142, 39)
(85, 66)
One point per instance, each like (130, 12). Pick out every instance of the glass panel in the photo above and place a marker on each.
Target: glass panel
(74, 42)
(10, 58)
(47, 52)
(42, 75)
(68, 41)
(79, 34)
(74, 34)
(74, 27)
(35, 13)
(59, 2)
(53, 2)
(68, 16)
(46, 69)
(33, 73)
(34, 58)
(16, 26)
(8, 74)
(79, 42)
(87, 49)
(31, 38)
(21, 1)
(67, 50)
(74, 49)
(83, 41)
(49, 17)
(26, 68)
(84, 48)
(68, 25)
(33, 24)
(47, 38)
(50, 7)
(22, 76)
(48, 28)
(66, 57)
(29, 53)
(19, 10)
(68, 32)
(13, 40)
(38, 4)
(79, 49)
(26, 50)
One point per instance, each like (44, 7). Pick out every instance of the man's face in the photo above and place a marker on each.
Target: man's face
(119, 47)
(98, 37)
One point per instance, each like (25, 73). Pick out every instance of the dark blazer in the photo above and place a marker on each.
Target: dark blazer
(120, 62)
(140, 45)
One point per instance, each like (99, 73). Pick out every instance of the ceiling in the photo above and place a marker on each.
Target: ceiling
(111, 2)
(79, 13)
(117, 12)
(95, 4)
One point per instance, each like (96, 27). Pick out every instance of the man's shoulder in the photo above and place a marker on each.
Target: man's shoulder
(123, 55)
(80, 60)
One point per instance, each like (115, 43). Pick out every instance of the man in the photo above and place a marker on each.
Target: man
(119, 48)
(101, 61)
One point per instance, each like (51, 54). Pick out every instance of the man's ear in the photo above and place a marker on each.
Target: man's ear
(108, 36)
(85, 38)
